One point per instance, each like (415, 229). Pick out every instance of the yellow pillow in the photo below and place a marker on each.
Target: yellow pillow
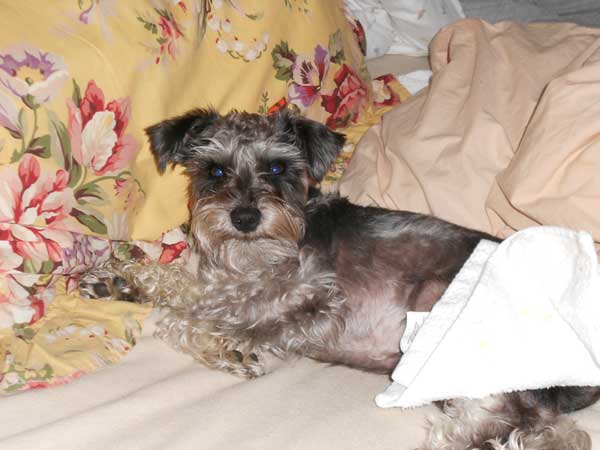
(81, 79)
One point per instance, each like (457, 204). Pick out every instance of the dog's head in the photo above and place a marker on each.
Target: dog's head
(250, 174)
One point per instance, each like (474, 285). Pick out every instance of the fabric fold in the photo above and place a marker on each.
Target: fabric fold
(522, 314)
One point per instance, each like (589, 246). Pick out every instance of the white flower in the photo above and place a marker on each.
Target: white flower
(98, 139)
(213, 22)
(27, 71)
(265, 38)
(12, 378)
(222, 45)
(94, 330)
(60, 333)
(8, 258)
(173, 236)
(226, 25)
(252, 54)
(379, 91)
(120, 345)
(238, 46)
(260, 47)
(9, 115)
(11, 314)
(118, 227)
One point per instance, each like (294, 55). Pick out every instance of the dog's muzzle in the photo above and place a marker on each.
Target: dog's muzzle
(245, 219)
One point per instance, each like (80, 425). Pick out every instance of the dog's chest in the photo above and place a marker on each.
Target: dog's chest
(378, 292)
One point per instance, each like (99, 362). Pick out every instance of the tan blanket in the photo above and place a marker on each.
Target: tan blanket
(159, 399)
(507, 136)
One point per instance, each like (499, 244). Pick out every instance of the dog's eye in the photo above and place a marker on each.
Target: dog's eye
(216, 171)
(276, 168)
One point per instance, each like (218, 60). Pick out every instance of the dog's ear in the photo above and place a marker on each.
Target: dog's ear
(168, 139)
(319, 144)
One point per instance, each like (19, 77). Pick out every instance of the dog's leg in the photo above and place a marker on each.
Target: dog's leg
(516, 421)
(139, 282)
(173, 287)
(204, 342)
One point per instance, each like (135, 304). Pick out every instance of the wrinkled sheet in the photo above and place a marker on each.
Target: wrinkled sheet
(159, 399)
(507, 135)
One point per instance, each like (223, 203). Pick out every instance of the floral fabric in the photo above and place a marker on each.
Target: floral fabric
(81, 79)
(76, 337)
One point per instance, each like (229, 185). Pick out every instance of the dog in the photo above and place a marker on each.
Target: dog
(285, 270)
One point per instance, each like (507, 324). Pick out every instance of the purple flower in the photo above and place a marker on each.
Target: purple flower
(86, 252)
(307, 77)
(29, 72)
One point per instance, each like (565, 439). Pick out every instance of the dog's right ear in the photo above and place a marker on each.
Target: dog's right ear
(168, 139)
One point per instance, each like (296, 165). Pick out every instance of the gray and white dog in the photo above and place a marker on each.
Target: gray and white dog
(285, 270)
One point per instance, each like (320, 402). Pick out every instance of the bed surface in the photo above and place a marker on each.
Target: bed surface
(157, 399)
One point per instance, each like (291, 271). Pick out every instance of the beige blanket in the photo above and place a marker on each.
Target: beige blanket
(507, 136)
(159, 399)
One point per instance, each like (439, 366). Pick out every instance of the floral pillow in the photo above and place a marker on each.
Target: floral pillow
(81, 79)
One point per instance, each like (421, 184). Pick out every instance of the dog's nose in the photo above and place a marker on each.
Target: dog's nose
(245, 219)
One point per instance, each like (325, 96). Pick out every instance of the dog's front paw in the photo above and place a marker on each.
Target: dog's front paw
(244, 365)
(105, 283)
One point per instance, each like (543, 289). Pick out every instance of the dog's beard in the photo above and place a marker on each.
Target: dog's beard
(275, 240)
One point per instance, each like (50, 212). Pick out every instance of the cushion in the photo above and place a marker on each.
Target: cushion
(79, 82)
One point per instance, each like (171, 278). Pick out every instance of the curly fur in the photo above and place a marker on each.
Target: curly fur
(493, 423)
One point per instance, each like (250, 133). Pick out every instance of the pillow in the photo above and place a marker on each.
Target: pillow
(377, 23)
(257, 56)
(404, 27)
(76, 93)
(417, 21)
(80, 80)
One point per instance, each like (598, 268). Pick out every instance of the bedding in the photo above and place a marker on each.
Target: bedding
(444, 144)
(159, 399)
(531, 299)
(406, 27)
(508, 126)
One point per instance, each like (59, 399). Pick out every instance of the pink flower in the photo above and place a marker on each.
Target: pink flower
(15, 303)
(347, 100)
(307, 77)
(22, 299)
(39, 308)
(173, 244)
(29, 193)
(121, 184)
(29, 72)
(182, 6)
(171, 252)
(383, 93)
(31, 197)
(170, 33)
(97, 131)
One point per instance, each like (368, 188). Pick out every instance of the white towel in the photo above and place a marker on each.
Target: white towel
(522, 314)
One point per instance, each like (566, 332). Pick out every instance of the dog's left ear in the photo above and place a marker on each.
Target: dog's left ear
(319, 144)
(168, 139)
